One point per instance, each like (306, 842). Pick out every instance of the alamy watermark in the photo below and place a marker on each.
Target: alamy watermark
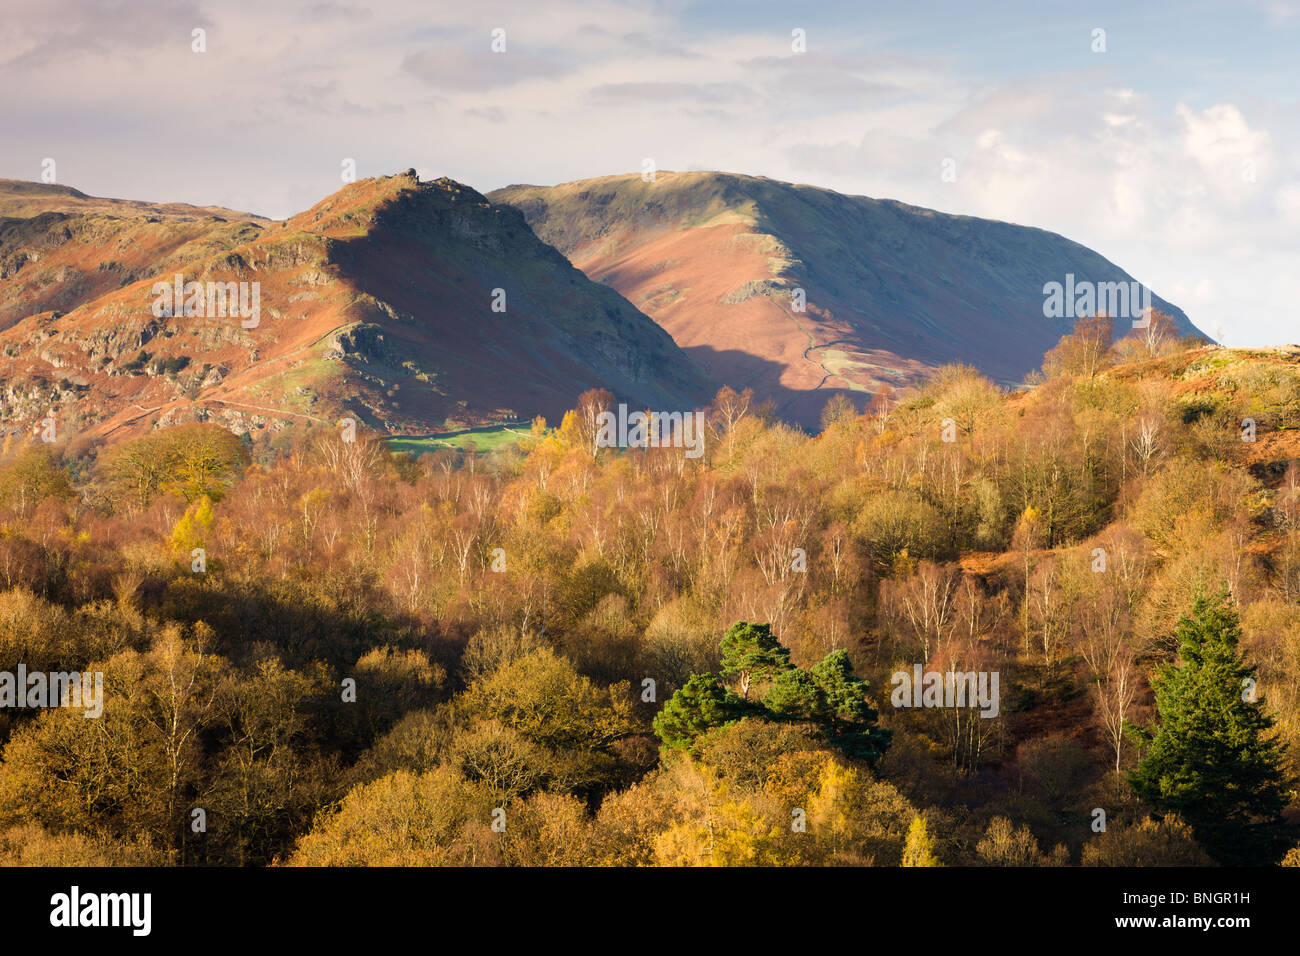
(53, 689)
(214, 300)
(651, 430)
(923, 688)
(127, 910)
(1082, 300)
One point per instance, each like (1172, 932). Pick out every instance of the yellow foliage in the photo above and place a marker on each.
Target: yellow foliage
(192, 529)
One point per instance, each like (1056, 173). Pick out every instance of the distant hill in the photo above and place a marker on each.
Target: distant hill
(892, 290)
(60, 248)
(376, 302)
(23, 200)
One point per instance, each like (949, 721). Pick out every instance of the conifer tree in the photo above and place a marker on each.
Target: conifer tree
(699, 706)
(851, 721)
(1211, 758)
(751, 652)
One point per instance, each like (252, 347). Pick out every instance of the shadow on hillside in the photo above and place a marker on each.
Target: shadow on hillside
(741, 370)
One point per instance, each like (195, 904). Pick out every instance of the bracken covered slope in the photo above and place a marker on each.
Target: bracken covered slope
(892, 290)
(377, 302)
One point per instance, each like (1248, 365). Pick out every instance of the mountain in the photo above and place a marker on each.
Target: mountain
(892, 290)
(377, 302)
(60, 248)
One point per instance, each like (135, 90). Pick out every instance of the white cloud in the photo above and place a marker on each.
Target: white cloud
(589, 87)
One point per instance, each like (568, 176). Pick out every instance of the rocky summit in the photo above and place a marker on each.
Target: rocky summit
(410, 306)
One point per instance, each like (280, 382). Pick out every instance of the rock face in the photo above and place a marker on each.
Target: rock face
(890, 290)
(410, 306)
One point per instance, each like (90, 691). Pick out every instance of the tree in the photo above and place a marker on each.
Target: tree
(391, 682)
(795, 695)
(1146, 444)
(729, 410)
(751, 652)
(204, 459)
(592, 404)
(1164, 842)
(269, 780)
(1028, 538)
(134, 769)
(838, 409)
(919, 849)
(1159, 331)
(850, 719)
(964, 395)
(1004, 845)
(699, 706)
(501, 758)
(1084, 351)
(542, 697)
(892, 523)
(714, 824)
(1211, 759)
(30, 478)
(1114, 694)
(1049, 608)
(193, 527)
(925, 603)
(433, 819)
(32, 845)
(196, 461)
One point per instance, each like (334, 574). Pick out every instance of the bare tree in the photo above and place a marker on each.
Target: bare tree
(353, 460)
(729, 409)
(925, 604)
(591, 405)
(1159, 331)
(1114, 694)
(1048, 604)
(1146, 445)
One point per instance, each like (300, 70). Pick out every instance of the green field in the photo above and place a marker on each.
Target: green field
(489, 438)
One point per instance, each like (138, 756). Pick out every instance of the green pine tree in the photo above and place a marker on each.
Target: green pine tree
(1212, 759)
(850, 720)
(794, 695)
(751, 652)
(698, 707)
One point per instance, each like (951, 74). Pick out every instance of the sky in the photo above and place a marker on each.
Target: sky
(1164, 136)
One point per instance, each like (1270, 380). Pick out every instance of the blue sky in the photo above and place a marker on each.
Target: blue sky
(1174, 152)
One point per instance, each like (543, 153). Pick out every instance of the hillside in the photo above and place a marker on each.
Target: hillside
(60, 248)
(376, 302)
(577, 637)
(20, 199)
(892, 290)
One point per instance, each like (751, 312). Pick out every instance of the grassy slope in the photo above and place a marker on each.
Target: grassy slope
(891, 288)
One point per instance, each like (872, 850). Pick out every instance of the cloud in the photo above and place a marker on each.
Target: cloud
(490, 114)
(460, 69)
(657, 93)
(39, 33)
(1181, 163)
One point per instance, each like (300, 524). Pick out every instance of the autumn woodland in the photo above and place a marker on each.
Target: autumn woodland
(318, 650)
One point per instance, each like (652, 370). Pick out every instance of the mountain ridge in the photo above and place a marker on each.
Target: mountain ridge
(376, 302)
(892, 290)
